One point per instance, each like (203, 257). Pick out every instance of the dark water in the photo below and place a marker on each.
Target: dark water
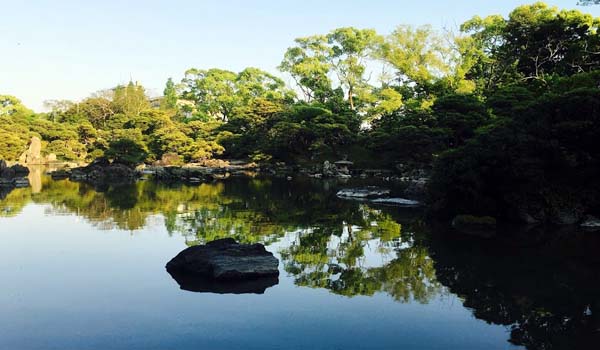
(83, 268)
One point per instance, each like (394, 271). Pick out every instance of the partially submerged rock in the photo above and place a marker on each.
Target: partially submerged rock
(364, 192)
(376, 195)
(397, 201)
(591, 223)
(225, 260)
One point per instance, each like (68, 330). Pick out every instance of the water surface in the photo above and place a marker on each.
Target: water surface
(83, 268)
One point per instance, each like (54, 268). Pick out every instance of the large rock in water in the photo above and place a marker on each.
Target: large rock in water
(226, 260)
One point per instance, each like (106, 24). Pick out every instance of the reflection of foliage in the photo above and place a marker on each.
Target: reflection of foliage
(125, 207)
(12, 202)
(549, 301)
(336, 259)
(334, 240)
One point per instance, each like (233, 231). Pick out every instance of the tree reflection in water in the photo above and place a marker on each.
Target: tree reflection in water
(375, 255)
(544, 286)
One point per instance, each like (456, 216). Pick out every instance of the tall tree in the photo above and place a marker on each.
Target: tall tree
(343, 54)
(425, 58)
(535, 43)
(213, 91)
(170, 95)
(351, 48)
(309, 66)
(130, 100)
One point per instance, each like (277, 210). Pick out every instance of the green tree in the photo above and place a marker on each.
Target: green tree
(535, 43)
(170, 95)
(534, 162)
(213, 92)
(308, 64)
(130, 100)
(342, 53)
(351, 48)
(12, 106)
(127, 151)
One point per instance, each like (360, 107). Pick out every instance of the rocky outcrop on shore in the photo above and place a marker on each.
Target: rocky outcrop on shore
(33, 154)
(197, 173)
(13, 176)
(101, 170)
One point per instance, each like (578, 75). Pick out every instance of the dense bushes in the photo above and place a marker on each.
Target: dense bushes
(536, 162)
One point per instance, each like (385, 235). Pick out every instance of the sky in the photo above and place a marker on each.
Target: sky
(68, 49)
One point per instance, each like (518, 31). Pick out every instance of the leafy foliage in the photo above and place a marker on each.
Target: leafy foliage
(504, 110)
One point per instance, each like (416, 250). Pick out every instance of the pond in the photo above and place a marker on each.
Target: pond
(84, 268)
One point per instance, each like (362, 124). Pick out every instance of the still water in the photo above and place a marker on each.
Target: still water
(83, 268)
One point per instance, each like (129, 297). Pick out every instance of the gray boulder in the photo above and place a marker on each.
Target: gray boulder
(329, 170)
(225, 260)
(102, 170)
(591, 223)
(20, 170)
(402, 202)
(337, 169)
(7, 173)
(363, 193)
(60, 174)
(15, 176)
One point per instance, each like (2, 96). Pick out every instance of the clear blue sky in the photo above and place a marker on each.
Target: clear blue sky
(67, 49)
